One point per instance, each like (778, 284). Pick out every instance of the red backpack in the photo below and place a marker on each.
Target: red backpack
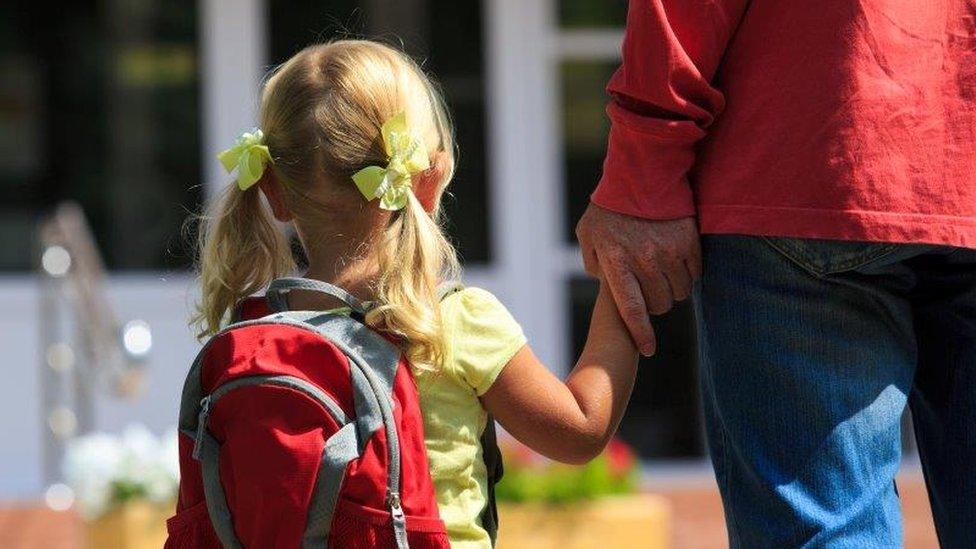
(302, 429)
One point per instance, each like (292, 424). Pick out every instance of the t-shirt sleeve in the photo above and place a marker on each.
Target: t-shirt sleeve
(662, 102)
(481, 337)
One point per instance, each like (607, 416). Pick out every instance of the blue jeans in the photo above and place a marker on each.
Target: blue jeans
(810, 352)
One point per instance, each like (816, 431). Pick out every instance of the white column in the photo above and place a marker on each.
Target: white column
(526, 191)
(232, 37)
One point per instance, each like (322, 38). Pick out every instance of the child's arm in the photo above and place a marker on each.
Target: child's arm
(572, 421)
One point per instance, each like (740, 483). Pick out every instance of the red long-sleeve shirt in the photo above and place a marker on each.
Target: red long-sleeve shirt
(838, 119)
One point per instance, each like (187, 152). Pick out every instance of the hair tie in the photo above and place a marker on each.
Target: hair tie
(249, 156)
(407, 156)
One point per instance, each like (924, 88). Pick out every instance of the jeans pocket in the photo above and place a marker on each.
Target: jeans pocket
(826, 257)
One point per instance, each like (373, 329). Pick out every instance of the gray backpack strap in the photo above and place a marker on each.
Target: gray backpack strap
(207, 450)
(213, 490)
(492, 456)
(277, 293)
(448, 288)
(340, 449)
(373, 363)
(194, 410)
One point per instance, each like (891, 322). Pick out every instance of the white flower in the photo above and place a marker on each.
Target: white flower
(96, 464)
(170, 454)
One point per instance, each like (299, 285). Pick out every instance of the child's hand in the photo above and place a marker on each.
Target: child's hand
(606, 324)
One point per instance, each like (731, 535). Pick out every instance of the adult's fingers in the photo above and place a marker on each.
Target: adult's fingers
(658, 295)
(679, 279)
(584, 230)
(629, 298)
(694, 261)
(590, 261)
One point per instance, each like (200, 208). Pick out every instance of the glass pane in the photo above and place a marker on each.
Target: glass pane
(294, 24)
(592, 13)
(447, 36)
(663, 417)
(584, 126)
(101, 107)
(456, 49)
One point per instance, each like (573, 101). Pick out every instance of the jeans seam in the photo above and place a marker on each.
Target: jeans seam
(956, 250)
(857, 262)
(795, 255)
(721, 473)
(733, 526)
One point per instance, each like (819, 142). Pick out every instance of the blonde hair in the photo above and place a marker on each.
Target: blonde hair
(321, 113)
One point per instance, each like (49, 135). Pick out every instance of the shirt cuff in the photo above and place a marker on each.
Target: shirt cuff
(646, 167)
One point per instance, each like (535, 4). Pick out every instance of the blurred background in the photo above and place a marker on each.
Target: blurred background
(119, 106)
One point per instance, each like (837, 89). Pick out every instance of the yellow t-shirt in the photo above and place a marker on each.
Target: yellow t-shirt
(481, 338)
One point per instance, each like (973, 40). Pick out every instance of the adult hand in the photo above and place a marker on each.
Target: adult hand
(648, 264)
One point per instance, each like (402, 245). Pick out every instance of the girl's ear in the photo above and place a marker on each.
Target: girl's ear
(271, 188)
(430, 180)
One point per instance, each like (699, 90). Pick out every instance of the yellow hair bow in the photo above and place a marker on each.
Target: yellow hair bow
(249, 155)
(407, 155)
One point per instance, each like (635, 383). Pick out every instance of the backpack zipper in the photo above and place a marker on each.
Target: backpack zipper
(385, 402)
(201, 425)
(291, 382)
(396, 507)
(393, 499)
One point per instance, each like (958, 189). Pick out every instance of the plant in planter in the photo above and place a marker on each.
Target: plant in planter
(545, 504)
(124, 485)
(530, 477)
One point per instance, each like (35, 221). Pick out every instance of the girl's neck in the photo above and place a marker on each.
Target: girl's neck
(350, 271)
(352, 276)
(338, 252)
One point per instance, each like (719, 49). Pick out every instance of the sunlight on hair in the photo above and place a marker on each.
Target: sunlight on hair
(321, 114)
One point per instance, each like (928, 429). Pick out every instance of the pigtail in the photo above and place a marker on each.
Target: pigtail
(322, 114)
(414, 257)
(241, 251)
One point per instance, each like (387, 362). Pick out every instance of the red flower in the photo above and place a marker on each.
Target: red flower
(620, 458)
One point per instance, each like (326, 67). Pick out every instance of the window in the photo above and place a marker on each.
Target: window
(585, 126)
(100, 105)
(592, 13)
(663, 418)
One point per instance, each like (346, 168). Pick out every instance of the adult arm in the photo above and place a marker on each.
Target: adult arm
(639, 231)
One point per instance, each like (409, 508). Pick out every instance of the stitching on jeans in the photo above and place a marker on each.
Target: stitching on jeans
(957, 249)
(733, 523)
(725, 485)
(863, 260)
(794, 253)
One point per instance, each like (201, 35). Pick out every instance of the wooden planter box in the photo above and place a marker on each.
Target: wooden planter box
(642, 520)
(135, 525)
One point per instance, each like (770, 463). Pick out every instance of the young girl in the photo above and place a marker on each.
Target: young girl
(356, 150)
